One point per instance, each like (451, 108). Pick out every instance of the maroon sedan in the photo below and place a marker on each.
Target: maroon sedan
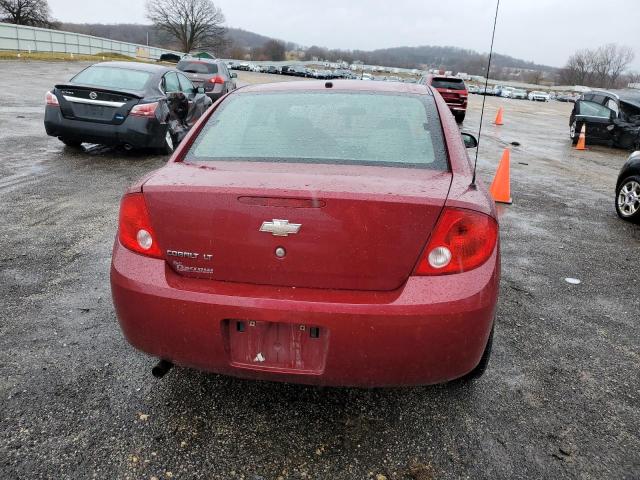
(314, 232)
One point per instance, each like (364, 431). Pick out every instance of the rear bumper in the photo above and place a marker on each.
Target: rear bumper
(457, 107)
(136, 131)
(432, 330)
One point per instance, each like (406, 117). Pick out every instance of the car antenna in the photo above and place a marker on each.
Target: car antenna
(484, 96)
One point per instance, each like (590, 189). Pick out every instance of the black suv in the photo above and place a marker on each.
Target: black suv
(611, 117)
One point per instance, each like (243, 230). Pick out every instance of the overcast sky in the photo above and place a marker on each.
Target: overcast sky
(544, 31)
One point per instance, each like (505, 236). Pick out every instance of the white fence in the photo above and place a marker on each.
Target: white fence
(24, 39)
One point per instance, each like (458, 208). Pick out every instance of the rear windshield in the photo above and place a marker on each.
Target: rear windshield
(313, 127)
(197, 67)
(449, 83)
(112, 77)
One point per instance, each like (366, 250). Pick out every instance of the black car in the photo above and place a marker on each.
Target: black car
(611, 117)
(134, 105)
(212, 75)
(298, 71)
(628, 189)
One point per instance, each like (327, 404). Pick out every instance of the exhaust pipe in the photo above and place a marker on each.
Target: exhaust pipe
(161, 369)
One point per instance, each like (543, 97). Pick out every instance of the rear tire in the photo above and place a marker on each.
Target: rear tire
(484, 362)
(70, 143)
(626, 208)
(460, 117)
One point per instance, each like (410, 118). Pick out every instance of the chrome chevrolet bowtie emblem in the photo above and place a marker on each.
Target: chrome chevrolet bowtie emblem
(280, 228)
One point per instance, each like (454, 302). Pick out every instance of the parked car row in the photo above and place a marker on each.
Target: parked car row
(294, 71)
(521, 94)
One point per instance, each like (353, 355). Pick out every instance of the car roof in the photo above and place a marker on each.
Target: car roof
(627, 95)
(143, 67)
(339, 85)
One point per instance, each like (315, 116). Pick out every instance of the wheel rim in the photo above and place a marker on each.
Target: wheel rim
(169, 141)
(629, 198)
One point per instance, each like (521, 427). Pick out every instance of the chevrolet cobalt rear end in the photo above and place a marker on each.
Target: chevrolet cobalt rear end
(313, 232)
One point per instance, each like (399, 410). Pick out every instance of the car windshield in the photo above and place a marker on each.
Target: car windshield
(448, 83)
(112, 77)
(309, 127)
(191, 66)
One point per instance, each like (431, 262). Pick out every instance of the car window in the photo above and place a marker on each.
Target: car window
(613, 106)
(112, 77)
(223, 70)
(310, 127)
(194, 66)
(448, 83)
(185, 84)
(592, 109)
(171, 83)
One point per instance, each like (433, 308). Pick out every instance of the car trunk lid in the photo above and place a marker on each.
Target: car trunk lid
(359, 227)
(93, 104)
(198, 79)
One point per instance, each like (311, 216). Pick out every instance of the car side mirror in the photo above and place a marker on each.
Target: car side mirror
(234, 75)
(469, 140)
(199, 89)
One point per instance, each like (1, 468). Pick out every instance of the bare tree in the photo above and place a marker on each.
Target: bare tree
(35, 13)
(536, 77)
(633, 77)
(274, 50)
(621, 59)
(195, 24)
(601, 67)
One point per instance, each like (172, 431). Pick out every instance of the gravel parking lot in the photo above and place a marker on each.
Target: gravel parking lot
(560, 399)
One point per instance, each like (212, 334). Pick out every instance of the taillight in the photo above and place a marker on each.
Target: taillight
(134, 229)
(461, 241)
(51, 99)
(217, 79)
(144, 110)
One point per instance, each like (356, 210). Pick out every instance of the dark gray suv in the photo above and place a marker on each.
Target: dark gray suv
(212, 75)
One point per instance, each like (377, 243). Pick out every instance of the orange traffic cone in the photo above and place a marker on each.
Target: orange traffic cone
(499, 117)
(582, 139)
(501, 187)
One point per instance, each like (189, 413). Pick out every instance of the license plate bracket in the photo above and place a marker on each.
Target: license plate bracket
(285, 347)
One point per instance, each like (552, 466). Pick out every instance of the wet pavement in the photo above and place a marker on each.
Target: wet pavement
(560, 399)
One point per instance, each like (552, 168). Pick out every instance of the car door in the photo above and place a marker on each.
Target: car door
(228, 81)
(177, 105)
(198, 102)
(597, 118)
